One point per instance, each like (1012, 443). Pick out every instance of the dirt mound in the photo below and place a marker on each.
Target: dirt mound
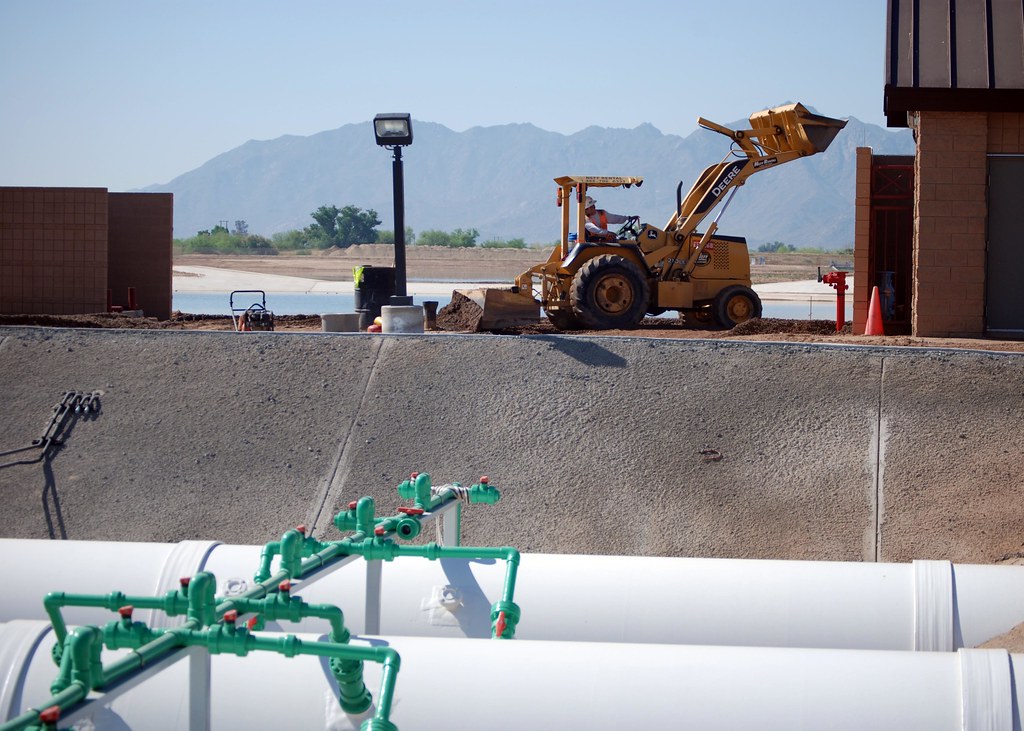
(769, 325)
(99, 319)
(460, 315)
(178, 321)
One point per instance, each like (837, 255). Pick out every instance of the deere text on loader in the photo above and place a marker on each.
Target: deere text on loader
(648, 270)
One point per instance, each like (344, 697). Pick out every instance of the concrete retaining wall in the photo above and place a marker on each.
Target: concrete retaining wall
(828, 452)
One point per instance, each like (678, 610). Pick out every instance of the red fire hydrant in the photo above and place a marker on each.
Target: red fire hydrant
(837, 280)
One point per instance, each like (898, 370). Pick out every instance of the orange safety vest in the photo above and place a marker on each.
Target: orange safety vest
(602, 218)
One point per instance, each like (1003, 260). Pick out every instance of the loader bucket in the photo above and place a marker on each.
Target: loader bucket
(492, 309)
(792, 127)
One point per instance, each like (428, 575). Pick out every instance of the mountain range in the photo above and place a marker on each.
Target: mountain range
(499, 180)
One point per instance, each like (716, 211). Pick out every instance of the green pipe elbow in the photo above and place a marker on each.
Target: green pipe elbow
(417, 489)
(422, 484)
(336, 618)
(80, 663)
(365, 511)
(52, 603)
(266, 558)
(202, 604)
(291, 552)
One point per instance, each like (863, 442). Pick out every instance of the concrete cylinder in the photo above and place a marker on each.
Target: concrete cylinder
(340, 323)
(401, 319)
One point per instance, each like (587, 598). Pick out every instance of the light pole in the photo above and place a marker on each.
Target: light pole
(394, 131)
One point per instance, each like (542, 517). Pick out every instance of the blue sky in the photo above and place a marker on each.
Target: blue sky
(125, 93)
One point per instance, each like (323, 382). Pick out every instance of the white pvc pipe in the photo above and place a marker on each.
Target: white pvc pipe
(498, 685)
(927, 605)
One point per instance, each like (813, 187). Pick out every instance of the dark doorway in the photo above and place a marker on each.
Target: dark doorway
(1004, 296)
(892, 239)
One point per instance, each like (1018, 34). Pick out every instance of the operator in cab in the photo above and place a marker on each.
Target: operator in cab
(598, 220)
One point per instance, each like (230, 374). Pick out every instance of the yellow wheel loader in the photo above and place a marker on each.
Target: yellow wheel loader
(649, 270)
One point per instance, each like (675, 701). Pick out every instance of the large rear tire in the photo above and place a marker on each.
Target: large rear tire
(609, 292)
(736, 304)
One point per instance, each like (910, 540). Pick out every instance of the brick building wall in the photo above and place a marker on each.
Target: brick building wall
(950, 216)
(140, 249)
(53, 250)
(862, 241)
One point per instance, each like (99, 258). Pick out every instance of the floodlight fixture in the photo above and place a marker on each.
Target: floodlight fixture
(393, 130)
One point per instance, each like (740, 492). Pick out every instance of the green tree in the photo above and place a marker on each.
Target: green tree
(773, 247)
(459, 238)
(434, 237)
(325, 229)
(464, 238)
(356, 226)
(342, 227)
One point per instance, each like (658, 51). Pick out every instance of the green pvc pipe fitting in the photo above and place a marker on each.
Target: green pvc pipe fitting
(405, 527)
(504, 619)
(81, 660)
(345, 520)
(202, 600)
(291, 552)
(482, 492)
(407, 489)
(124, 633)
(271, 549)
(417, 489)
(358, 517)
(353, 695)
(365, 511)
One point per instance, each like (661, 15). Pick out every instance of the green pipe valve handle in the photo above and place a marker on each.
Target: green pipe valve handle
(504, 619)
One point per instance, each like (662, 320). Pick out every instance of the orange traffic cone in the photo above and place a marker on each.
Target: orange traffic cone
(874, 323)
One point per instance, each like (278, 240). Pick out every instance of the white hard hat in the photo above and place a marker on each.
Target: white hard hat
(590, 202)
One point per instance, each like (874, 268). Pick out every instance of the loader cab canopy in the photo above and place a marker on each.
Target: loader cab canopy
(581, 183)
(598, 181)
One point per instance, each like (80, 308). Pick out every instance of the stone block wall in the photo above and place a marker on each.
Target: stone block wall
(139, 247)
(62, 249)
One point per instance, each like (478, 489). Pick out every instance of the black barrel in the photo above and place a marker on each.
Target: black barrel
(374, 289)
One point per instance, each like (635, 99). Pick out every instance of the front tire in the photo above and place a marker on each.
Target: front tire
(609, 292)
(736, 304)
